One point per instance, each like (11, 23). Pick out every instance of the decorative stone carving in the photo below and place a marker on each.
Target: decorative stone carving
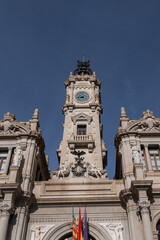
(38, 232)
(67, 98)
(114, 229)
(144, 204)
(6, 210)
(148, 114)
(97, 95)
(82, 117)
(95, 172)
(125, 195)
(18, 155)
(123, 113)
(135, 155)
(9, 117)
(35, 114)
(143, 207)
(62, 171)
(148, 123)
(79, 169)
(90, 147)
(9, 126)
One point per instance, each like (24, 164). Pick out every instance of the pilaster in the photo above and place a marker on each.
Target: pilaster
(145, 214)
(6, 210)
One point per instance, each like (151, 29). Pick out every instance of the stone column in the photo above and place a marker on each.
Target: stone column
(5, 215)
(131, 209)
(93, 93)
(74, 128)
(71, 92)
(8, 160)
(20, 224)
(67, 96)
(29, 166)
(147, 229)
(148, 157)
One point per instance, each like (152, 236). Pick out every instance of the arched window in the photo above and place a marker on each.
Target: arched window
(158, 229)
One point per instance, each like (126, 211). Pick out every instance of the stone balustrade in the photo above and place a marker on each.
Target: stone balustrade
(83, 137)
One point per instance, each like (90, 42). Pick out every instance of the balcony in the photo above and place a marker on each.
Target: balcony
(85, 141)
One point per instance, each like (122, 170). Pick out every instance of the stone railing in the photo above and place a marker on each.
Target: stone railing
(80, 138)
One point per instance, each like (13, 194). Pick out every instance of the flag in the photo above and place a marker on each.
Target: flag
(74, 226)
(79, 234)
(85, 228)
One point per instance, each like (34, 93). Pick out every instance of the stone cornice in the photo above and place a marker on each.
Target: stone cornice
(82, 77)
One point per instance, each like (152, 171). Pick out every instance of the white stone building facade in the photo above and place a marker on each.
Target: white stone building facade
(37, 205)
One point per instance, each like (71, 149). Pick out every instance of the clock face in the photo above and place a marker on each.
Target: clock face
(82, 97)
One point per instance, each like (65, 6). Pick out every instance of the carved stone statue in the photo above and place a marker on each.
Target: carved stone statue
(95, 172)
(18, 155)
(62, 171)
(135, 155)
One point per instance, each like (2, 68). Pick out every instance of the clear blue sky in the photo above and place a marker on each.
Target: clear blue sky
(41, 41)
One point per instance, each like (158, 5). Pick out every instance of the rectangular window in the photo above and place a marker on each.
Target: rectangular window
(3, 158)
(155, 158)
(144, 160)
(81, 130)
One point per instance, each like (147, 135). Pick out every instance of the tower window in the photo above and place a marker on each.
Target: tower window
(81, 130)
(155, 158)
(3, 158)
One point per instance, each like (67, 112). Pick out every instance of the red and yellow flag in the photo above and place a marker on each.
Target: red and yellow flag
(74, 226)
(79, 234)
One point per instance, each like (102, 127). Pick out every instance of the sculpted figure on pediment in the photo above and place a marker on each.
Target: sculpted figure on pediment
(62, 171)
(96, 172)
(9, 126)
(147, 123)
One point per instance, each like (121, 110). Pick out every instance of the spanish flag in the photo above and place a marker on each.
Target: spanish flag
(79, 234)
(74, 226)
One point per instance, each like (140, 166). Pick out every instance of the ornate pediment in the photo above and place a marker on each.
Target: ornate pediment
(147, 123)
(9, 125)
(81, 117)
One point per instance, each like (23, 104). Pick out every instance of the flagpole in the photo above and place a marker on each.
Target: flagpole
(85, 231)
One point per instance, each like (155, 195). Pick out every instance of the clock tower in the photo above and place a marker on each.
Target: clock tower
(82, 128)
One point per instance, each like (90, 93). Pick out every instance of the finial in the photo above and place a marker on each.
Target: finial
(35, 114)
(148, 114)
(123, 113)
(8, 116)
(123, 119)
